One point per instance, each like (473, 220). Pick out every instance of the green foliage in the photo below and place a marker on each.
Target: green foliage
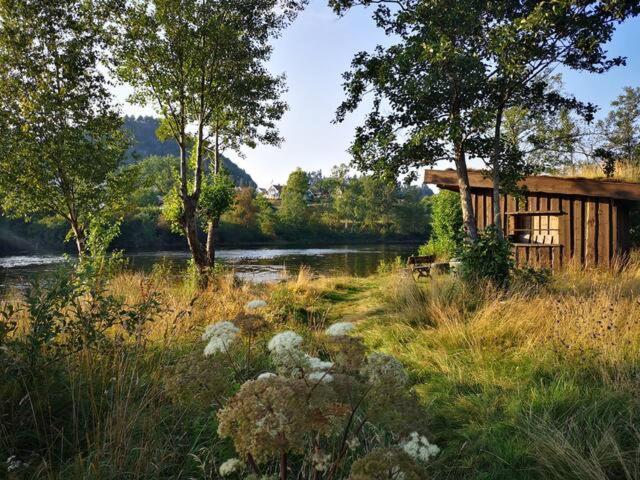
(64, 141)
(294, 211)
(621, 126)
(446, 226)
(489, 258)
(217, 196)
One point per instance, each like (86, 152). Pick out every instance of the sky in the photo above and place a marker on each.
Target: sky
(318, 48)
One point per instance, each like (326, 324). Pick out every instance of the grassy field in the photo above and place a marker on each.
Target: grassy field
(535, 383)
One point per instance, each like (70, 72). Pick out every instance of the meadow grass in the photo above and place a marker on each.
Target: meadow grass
(534, 383)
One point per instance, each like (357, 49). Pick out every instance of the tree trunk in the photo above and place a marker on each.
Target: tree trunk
(80, 238)
(495, 166)
(283, 466)
(468, 216)
(211, 238)
(191, 232)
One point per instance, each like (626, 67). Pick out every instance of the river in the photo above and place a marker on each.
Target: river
(250, 264)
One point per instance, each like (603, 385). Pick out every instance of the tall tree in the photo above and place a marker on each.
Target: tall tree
(294, 211)
(621, 127)
(62, 138)
(187, 58)
(428, 89)
(526, 39)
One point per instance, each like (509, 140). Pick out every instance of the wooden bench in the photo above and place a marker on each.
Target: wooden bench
(420, 266)
(424, 266)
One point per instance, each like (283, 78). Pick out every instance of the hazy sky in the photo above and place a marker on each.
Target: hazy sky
(318, 48)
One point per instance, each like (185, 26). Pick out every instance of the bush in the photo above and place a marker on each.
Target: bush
(488, 258)
(446, 226)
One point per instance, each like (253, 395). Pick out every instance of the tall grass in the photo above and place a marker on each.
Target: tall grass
(525, 384)
(534, 383)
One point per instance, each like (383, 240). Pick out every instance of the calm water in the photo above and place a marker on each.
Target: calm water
(252, 264)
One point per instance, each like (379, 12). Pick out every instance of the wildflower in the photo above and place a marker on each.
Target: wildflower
(255, 304)
(231, 466)
(317, 364)
(14, 464)
(353, 443)
(339, 329)
(321, 461)
(285, 341)
(419, 448)
(320, 377)
(266, 376)
(384, 368)
(220, 336)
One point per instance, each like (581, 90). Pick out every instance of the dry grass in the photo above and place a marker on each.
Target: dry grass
(623, 171)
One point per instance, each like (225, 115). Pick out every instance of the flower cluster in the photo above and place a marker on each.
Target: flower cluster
(339, 329)
(220, 336)
(255, 304)
(290, 360)
(321, 461)
(230, 467)
(381, 368)
(418, 447)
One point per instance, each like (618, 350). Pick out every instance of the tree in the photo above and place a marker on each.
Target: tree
(620, 129)
(428, 90)
(525, 40)
(294, 211)
(188, 58)
(62, 139)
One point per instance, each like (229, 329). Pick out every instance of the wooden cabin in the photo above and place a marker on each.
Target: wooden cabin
(556, 219)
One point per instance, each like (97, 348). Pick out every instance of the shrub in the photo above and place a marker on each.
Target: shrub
(446, 226)
(488, 258)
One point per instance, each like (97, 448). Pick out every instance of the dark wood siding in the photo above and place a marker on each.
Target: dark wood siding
(592, 230)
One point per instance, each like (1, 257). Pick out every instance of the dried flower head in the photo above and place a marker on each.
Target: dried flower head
(267, 417)
(321, 461)
(220, 336)
(386, 464)
(339, 329)
(323, 377)
(266, 376)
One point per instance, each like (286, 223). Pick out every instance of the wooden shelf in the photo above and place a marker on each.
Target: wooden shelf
(537, 245)
(537, 212)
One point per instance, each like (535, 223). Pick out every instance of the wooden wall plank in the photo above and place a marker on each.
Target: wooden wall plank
(591, 231)
(602, 222)
(556, 253)
(579, 229)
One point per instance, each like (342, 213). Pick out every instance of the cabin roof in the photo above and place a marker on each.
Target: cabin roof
(588, 187)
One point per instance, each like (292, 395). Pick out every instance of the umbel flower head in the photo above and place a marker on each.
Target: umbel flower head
(269, 416)
(230, 467)
(339, 329)
(288, 340)
(382, 368)
(255, 304)
(220, 335)
(418, 447)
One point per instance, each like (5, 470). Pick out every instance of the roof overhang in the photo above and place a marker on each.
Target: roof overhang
(448, 179)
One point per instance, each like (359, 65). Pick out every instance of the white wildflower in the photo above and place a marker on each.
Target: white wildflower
(14, 464)
(323, 377)
(285, 341)
(381, 367)
(353, 443)
(317, 364)
(231, 466)
(266, 376)
(290, 361)
(339, 329)
(418, 447)
(321, 461)
(255, 304)
(220, 336)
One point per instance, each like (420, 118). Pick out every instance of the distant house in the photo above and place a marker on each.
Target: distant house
(557, 219)
(274, 192)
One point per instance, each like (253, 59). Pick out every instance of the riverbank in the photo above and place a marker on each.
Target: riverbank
(537, 383)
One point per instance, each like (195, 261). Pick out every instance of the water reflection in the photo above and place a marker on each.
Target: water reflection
(251, 264)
